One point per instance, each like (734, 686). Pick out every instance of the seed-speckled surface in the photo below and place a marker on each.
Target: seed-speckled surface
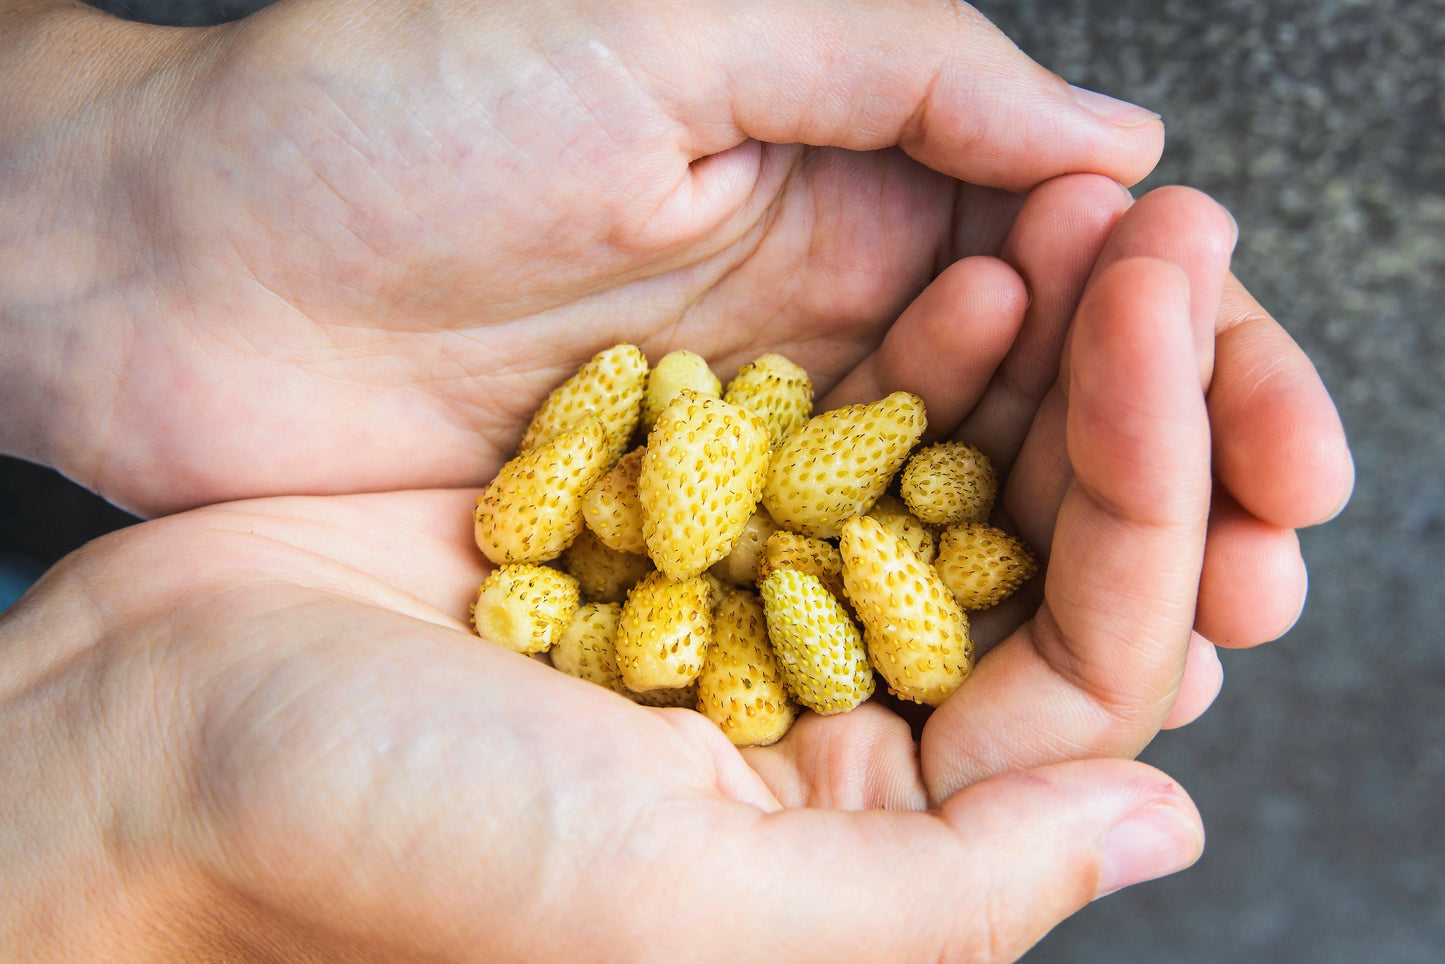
(587, 649)
(704, 467)
(532, 510)
(949, 483)
(819, 648)
(740, 566)
(741, 685)
(610, 386)
(840, 462)
(916, 632)
(777, 390)
(612, 507)
(525, 607)
(893, 513)
(663, 632)
(603, 574)
(816, 557)
(675, 372)
(982, 565)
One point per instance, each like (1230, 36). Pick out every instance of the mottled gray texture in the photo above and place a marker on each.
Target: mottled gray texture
(1320, 771)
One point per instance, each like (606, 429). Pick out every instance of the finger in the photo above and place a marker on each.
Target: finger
(860, 760)
(1097, 669)
(937, 79)
(1202, 680)
(1252, 587)
(1056, 238)
(1279, 445)
(946, 344)
(983, 878)
(1178, 225)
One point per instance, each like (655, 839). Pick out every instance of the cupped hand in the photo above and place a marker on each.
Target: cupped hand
(349, 246)
(284, 736)
(283, 743)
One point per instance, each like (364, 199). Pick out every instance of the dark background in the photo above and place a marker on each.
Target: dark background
(1320, 770)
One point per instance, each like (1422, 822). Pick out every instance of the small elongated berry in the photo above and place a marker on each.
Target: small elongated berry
(704, 466)
(982, 565)
(525, 607)
(838, 463)
(893, 513)
(819, 649)
(674, 372)
(609, 386)
(663, 632)
(776, 389)
(949, 483)
(612, 508)
(816, 557)
(915, 631)
(603, 574)
(740, 566)
(741, 686)
(532, 510)
(587, 649)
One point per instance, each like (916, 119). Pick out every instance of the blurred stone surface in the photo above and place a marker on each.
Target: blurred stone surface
(1320, 771)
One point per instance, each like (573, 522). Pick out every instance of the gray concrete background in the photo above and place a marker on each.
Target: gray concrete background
(1321, 769)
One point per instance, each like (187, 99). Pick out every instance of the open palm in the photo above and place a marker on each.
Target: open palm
(315, 758)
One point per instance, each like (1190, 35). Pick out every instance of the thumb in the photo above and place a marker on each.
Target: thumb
(937, 79)
(982, 879)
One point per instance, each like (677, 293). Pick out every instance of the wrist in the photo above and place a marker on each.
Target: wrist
(82, 105)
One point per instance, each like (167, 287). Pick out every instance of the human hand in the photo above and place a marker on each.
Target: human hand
(346, 246)
(296, 747)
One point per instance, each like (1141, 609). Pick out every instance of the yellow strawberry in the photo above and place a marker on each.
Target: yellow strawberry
(948, 483)
(840, 462)
(675, 371)
(740, 566)
(609, 386)
(916, 633)
(776, 389)
(982, 565)
(525, 607)
(741, 686)
(893, 513)
(704, 466)
(612, 508)
(587, 649)
(532, 510)
(821, 654)
(663, 632)
(816, 557)
(603, 574)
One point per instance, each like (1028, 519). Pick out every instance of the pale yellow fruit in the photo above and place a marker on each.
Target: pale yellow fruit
(532, 510)
(982, 565)
(674, 373)
(741, 686)
(612, 508)
(949, 483)
(824, 663)
(663, 632)
(603, 574)
(740, 566)
(915, 631)
(893, 513)
(704, 466)
(525, 607)
(609, 386)
(840, 462)
(777, 390)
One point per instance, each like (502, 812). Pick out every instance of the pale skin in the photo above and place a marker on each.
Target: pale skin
(312, 259)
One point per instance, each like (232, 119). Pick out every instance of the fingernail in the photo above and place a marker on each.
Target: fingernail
(1151, 842)
(1112, 109)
